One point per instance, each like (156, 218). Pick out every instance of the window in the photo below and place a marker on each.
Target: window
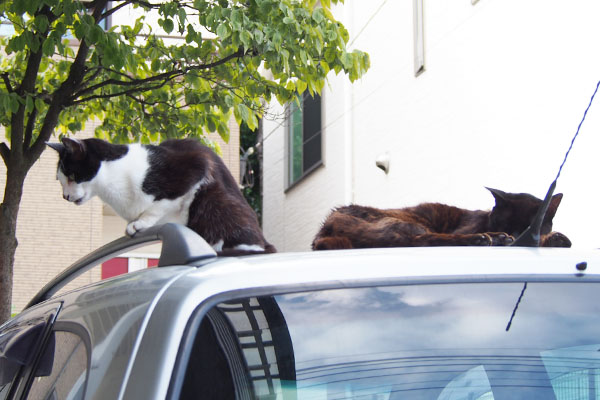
(20, 342)
(419, 37)
(440, 341)
(62, 370)
(304, 138)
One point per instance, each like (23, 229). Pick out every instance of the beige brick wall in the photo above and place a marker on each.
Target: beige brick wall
(53, 233)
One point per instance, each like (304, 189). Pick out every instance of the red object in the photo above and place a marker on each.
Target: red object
(115, 266)
(152, 262)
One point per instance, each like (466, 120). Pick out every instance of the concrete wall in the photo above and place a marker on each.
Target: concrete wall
(505, 86)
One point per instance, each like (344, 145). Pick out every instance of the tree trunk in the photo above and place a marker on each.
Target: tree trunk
(9, 209)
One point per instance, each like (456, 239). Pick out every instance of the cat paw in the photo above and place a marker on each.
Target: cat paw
(331, 243)
(136, 226)
(480, 239)
(501, 238)
(555, 239)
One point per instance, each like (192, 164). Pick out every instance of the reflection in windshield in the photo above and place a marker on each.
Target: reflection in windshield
(441, 342)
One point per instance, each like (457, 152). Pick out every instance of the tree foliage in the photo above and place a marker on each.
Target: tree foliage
(178, 68)
(144, 86)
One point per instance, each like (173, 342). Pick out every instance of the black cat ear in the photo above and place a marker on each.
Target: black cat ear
(499, 195)
(59, 147)
(74, 147)
(553, 206)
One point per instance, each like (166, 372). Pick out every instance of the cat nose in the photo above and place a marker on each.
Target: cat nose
(66, 197)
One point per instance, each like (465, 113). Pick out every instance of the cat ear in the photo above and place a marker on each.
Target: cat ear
(499, 195)
(74, 147)
(553, 206)
(59, 147)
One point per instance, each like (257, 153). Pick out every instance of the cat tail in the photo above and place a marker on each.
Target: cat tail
(269, 248)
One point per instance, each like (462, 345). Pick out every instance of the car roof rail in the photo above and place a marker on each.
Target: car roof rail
(180, 246)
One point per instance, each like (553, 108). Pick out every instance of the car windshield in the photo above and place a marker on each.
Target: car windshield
(442, 341)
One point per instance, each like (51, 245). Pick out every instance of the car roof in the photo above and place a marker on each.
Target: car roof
(191, 279)
(182, 247)
(223, 279)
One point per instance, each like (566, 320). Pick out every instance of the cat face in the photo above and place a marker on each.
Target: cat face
(514, 212)
(76, 169)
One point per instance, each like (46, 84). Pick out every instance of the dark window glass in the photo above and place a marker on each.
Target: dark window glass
(304, 137)
(21, 339)
(441, 342)
(62, 370)
(8, 371)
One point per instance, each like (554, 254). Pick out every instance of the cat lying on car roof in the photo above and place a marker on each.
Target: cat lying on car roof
(434, 224)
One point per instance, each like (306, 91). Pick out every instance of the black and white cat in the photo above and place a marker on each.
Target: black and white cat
(179, 181)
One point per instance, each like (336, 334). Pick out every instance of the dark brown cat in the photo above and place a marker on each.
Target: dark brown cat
(434, 224)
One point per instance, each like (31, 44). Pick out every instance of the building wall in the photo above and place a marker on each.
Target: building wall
(504, 89)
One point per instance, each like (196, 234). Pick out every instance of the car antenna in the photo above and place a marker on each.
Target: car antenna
(531, 236)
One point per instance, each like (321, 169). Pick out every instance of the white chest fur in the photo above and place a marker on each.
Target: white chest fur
(119, 183)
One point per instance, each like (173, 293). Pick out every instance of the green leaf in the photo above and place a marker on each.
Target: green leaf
(210, 123)
(168, 25)
(222, 31)
(41, 23)
(155, 65)
(29, 104)
(223, 131)
(258, 35)
(14, 103)
(246, 39)
(48, 46)
(74, 126)
(236, 20)
(301, 86)
(95, 35)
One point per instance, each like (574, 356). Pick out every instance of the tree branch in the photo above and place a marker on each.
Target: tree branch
(7, 83)
(5, 153)
(166, 76)
(115, 9)
(117, 94)
(29, 128)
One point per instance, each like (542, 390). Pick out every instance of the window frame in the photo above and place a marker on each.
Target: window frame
(291, 108)
(23, 376)
(419, 36)
(59, 326)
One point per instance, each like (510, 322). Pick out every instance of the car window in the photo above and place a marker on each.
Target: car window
(8, 372)
(20, 342)
(62, 370)
(443, 342)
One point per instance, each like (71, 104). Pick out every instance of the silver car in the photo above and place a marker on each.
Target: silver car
(418, 323)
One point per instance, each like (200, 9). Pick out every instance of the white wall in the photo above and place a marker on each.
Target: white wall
(505, 86)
